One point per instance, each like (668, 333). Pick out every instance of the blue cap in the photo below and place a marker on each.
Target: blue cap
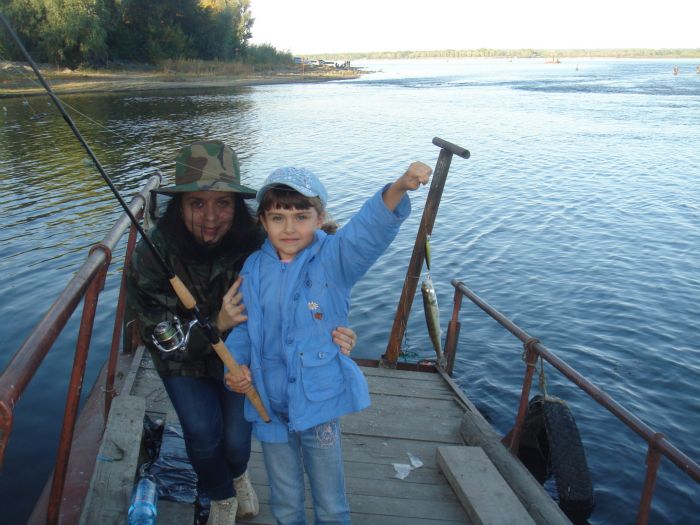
(299, 179)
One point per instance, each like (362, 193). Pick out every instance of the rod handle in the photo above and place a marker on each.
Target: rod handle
(186, 298)
(189, 302)
(234, 367)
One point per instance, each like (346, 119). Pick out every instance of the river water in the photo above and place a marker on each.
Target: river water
(577, 215)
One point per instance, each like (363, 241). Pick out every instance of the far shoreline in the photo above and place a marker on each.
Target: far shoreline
(74, 82)
(14, 83)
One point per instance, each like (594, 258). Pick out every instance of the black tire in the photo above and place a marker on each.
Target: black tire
(550, 446)
(567, 461)
(533, 451)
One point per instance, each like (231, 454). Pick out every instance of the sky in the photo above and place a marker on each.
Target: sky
(333, 26)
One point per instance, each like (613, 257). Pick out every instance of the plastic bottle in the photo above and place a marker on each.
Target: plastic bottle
(143, 506)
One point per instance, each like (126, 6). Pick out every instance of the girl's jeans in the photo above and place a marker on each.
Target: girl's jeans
(217, 436)
(318, 451)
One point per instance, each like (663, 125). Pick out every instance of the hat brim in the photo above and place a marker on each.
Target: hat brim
(245, 191)
(299, 189)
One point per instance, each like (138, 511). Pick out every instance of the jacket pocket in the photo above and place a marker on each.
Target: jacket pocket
(322, 373)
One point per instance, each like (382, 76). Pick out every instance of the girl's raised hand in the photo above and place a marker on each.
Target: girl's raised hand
(416, 175)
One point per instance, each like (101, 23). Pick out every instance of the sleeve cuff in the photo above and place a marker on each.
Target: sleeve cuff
(403, 209)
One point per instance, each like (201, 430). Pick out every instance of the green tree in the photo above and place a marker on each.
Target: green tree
(224, 28)
(74, 32)
(151, 30)
(26, 18)
(66, 32)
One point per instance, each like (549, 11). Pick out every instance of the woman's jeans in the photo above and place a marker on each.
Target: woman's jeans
(318, 451)
(217, 436)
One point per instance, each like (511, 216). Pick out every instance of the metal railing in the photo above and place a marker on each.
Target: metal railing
(658, 445)
(86, 285)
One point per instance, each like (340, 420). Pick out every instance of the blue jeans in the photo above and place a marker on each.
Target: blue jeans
(319, 451)
(217, 436)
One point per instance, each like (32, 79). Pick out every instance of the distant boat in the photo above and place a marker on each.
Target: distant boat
(552, 60)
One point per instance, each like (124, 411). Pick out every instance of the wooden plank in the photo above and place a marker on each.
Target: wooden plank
(134, 366)
(149, 386)
(406, 388)
(420, 484)
(476, 431)
(265, 518)
(375, 449)
(113, 479)
(485, 495)
(373, 490)
(379, 480)
(401, 374)
(396, 417)
(382, 508)
(407, 509)
(374, 519)
(386, 473)
(364, 471)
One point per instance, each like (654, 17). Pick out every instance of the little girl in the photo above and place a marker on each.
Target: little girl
(296, 289)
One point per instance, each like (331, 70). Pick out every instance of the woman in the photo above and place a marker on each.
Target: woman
(206, 233)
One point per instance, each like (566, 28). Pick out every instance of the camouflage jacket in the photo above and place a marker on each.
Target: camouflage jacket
(151, 300)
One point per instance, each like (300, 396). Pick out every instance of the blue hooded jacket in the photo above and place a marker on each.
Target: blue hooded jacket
(307, 374)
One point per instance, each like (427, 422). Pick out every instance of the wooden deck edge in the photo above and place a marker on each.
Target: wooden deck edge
(476, 431)
(87, 438)
(484, 494)
(112, 481)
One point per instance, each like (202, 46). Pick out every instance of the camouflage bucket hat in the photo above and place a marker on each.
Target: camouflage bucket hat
(209, 165)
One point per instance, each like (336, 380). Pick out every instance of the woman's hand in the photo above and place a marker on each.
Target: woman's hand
(345, 338)
(232, 312)
(240, 384)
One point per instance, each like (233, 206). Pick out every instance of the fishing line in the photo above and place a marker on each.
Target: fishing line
(26, 103)
(138, 145)
(183, 294)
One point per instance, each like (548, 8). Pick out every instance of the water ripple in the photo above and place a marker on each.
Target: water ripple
(577, 216)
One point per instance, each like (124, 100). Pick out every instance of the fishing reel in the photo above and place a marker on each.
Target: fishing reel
(170, 338)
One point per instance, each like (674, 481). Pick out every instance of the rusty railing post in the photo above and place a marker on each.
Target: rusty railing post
(118, 322)
(653, 461)
(416, 264)
(530, 356)
(75, 387)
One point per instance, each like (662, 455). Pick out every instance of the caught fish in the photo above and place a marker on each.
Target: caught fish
(432, 316)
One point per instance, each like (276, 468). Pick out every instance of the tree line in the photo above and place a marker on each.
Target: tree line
(71, 33)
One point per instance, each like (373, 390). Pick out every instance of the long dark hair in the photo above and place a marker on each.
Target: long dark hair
(243, 238)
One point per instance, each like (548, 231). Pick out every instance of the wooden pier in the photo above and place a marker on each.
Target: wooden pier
(412, 412)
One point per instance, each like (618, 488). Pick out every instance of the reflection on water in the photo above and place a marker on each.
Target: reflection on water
(576, 215)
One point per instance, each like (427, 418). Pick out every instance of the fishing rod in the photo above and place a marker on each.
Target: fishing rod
(183, 294)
